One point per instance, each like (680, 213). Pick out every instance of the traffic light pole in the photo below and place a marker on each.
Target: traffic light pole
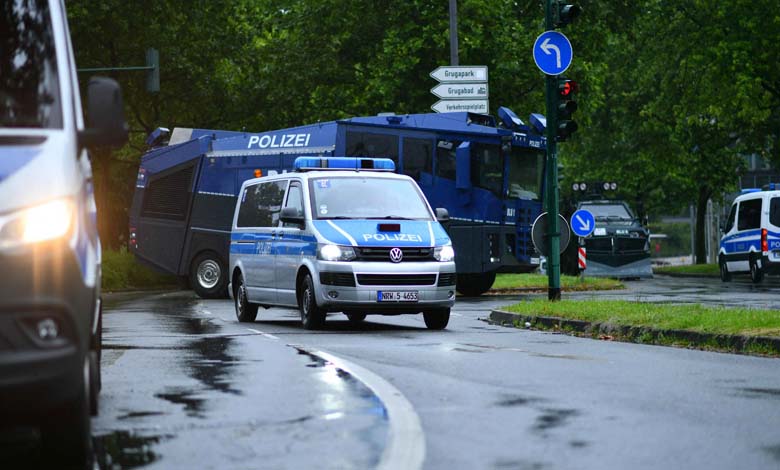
(551, 199)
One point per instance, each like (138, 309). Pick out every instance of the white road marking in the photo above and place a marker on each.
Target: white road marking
(267, 335)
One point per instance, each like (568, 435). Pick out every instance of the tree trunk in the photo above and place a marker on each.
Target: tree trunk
(701, 215)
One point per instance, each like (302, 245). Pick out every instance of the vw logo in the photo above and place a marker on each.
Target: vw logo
(396, 255)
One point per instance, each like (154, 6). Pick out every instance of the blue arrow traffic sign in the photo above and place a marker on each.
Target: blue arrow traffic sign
(552, 52)
(582, 223)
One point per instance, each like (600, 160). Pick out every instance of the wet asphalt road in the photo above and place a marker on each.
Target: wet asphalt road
(186, 386)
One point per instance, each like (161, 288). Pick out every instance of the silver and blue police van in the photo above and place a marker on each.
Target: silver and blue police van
(751, 235)
(50, 303)
(340, 235)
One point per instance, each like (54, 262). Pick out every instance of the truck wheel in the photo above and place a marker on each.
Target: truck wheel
(245, 310)
(208, 276)
(474, 285)
(67, 432)
(312, 317)
(725, 275)
(756, 274)
(436, 319)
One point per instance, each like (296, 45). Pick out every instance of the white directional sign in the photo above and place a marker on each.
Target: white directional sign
(460, 90)
(461, 73)
(453, 106)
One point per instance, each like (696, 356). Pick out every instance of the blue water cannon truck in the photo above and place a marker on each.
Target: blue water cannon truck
(487, 172)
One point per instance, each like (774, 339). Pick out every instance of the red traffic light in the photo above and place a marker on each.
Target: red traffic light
(567, 87)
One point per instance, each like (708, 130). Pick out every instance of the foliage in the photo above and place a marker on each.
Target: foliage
(540, 282)
(122, 271)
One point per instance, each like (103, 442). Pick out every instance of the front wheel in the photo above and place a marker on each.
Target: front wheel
(437, 319)
(756, 274)
(312, 316)
(245, 310)
(208, 276)
(725, 275)
(474, 285)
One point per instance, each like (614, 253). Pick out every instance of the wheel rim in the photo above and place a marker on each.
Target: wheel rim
(306, 303)
(208, 273)
(240, 300)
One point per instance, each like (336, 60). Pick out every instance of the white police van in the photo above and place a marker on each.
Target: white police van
(50, 309)
(340, 235)
(751, 235)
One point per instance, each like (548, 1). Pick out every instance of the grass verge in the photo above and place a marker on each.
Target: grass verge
(539, 282)
(690, 270)
(745, 330)
(121, 271)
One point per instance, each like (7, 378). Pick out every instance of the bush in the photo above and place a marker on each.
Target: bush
(677, 243)
(122, 271)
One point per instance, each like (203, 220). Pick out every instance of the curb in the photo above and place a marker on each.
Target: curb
(643, 334)
(701, 275)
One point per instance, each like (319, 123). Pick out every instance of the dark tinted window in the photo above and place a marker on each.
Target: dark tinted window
(445, 158)
(487, 167)
(526, 168)
(774, 211)
(417, 156)
(732, 218)
(294, 199)
(363, 144)
(749, 214)
(168, 196)
(29, 89)
(261, 204)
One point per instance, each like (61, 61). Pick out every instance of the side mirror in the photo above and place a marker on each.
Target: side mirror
(290, 215)
(442, 215)
(106, 124)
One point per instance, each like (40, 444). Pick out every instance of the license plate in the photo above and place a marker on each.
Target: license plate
(397, 296)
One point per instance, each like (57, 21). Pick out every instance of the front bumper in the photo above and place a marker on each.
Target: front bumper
(433, 282)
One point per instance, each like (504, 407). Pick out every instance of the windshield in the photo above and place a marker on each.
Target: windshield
(526, 168)
(29, 94)
(608, 211)
(365, 197)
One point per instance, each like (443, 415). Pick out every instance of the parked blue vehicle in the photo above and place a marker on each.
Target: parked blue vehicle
(488, 175)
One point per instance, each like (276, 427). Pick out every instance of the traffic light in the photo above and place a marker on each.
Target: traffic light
(565, 107)
(565, 13)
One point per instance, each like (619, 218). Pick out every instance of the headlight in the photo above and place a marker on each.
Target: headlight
(444, 253)
(336, 253)
(37, 224)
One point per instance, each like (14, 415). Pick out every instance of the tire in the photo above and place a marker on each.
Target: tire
(356, 317)
(437, 319)
(474, 285)
(208, 276)
(725, 275)
(245, 310)
(756, 274)
(312, 316)
(95, 355)
(67, 433)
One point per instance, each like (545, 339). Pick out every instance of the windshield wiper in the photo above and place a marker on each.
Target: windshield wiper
(336, 217)
(389, 217)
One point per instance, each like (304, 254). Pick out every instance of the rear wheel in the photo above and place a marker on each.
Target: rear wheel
(208, 277)
(437, 319)
(312, 316)
(756, 274)
(474, 285)
(725, 275)
(245, 310)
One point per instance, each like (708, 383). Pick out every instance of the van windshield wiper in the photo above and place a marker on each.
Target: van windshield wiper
(389, 217)
(336, 217)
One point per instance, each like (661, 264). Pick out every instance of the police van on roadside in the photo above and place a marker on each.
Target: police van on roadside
(340, 235)
(751, 235)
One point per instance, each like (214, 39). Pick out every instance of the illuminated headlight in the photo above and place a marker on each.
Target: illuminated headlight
(444, 253)
(336, 253)
(37, 224)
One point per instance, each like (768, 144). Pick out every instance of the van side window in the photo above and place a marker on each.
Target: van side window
(774, 211)
(294, 199)
(732, 218)
(749, 214)
(261, 204)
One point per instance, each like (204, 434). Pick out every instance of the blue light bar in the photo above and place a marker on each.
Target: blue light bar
(343, 163)
(750, 190)
(539, 122)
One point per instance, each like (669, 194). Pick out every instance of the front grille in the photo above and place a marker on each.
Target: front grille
(383, 254)
(629, 244)
(337, 279)
(447, 279)
(396, 279)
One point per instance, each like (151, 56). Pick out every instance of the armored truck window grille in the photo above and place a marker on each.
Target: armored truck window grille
(774, 211)
(261, 204)
(525, 173)
(732, 218)
(487, 167)
(417, 157)
(445, 158)
(167, 197)
(749, 214)
(364, 144)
